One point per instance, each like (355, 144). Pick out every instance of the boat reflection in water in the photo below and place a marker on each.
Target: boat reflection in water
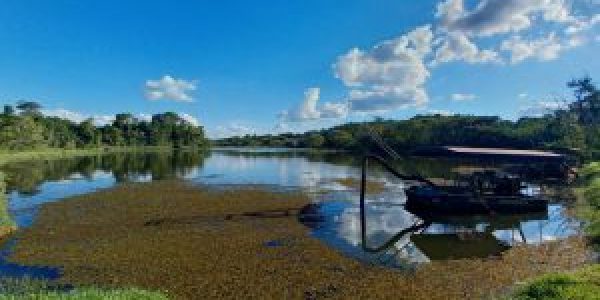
(396, 237)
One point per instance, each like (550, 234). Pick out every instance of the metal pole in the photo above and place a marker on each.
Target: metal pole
(363, 187)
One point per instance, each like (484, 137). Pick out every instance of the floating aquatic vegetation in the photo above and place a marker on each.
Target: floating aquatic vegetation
(373, 187)
(195, 242)
(7, 225)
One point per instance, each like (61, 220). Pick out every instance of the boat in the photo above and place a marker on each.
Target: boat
(466, 201)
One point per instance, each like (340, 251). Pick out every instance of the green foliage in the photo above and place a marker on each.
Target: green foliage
(17, 289)
(30, 130)
(583, 284)
(315, 140)
(589, 193)
(29, 108)
(8, 110)
(19, 133)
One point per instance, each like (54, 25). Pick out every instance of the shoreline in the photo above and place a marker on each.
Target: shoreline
(7, 225)
(7, 157)
(179, 222)
(582, 282)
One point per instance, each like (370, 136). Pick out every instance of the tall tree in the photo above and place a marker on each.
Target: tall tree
(8, 110)
(29, 108)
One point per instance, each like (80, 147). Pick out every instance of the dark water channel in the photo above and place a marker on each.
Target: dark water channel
(407, 240)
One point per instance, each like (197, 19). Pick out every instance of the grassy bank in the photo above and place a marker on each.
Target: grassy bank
(582, 284)
(52, 153)
(13, 289)
(244, 243)
(585, 283)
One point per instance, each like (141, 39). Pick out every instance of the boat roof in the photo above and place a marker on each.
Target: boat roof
(500, 151)
(493, 153)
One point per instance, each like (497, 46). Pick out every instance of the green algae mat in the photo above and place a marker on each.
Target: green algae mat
(195, 242)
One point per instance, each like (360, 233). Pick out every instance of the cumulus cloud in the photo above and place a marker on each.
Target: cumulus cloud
(66, 114)
(393, 73)
(583, 24)
(232, 129)
(463, 97)
(77, 117)
(457, 46)
(440, 112)
(490, 17)
(169, 88)
(540, 108)
(389, 76)
(543, 49)
(310, 110)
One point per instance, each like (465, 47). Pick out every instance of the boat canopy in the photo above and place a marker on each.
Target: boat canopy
(494, 154)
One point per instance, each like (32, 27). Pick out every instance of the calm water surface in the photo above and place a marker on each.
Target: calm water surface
(403, 238)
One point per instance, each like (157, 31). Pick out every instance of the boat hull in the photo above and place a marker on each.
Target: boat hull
(432, 201)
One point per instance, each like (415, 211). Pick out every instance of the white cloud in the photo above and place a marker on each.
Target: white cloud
(389, 76)
(77, 117)
(541, 108)
(583, 24)
(491, 17)
(543, 49)
(310, 110)
(523, 95)
(169, 88)
(66, 114)
(188, 118)
(463, 97)
(457, 46)
(384, 98)
(103, 120)
(393, 73)
(440, 112)
(232, 129)
(144, 117)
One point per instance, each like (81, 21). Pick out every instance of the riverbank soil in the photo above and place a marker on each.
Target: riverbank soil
(194, 242)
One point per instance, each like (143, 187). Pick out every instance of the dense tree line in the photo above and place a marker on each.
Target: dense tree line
(24, 127)
(575, 126)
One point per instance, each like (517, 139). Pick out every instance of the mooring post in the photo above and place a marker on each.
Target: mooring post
(363, 188)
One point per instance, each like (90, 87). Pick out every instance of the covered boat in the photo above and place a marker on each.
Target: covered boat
(462, 201)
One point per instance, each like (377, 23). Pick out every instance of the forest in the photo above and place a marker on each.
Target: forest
(24, 127)
(577, 126)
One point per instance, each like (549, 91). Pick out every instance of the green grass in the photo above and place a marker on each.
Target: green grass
(13, 289)
(591, 170)
(583, 284)
(589, 202)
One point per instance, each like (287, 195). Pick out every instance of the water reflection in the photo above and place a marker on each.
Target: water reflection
(399, 238)
(405, 239)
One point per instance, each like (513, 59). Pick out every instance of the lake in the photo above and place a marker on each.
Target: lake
(400, 237)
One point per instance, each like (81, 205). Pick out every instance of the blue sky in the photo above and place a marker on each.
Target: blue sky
(266, 66)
